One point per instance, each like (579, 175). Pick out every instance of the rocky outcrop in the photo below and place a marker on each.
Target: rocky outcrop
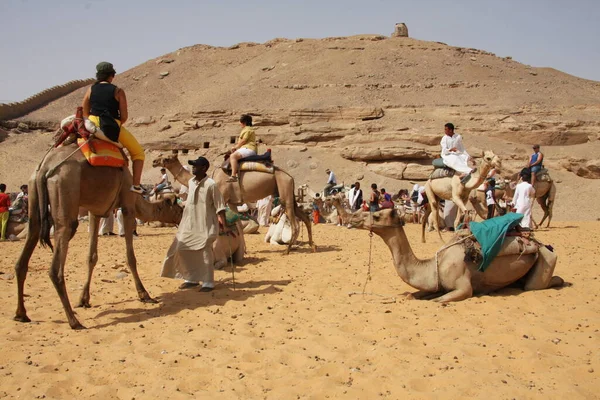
(400, 30)
(304, 116)
(583, 168)
(388, 154)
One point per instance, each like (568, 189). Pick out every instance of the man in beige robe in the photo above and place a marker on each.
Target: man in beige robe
(191, 257)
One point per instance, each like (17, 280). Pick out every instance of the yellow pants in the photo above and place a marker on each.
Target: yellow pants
(126, 139)
(4, 224)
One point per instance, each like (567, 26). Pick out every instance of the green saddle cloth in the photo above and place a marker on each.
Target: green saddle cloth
(490, 235)
(231, 217)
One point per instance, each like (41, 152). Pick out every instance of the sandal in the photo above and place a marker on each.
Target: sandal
(232, 179)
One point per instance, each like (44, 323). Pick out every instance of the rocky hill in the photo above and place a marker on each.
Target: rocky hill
(369, 107)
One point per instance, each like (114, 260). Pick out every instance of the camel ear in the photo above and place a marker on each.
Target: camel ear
(168, 202)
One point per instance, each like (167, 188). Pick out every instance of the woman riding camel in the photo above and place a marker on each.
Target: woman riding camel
(245, 147)
(103, 99)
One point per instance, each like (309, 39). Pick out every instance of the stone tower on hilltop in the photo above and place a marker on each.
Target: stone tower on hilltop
(400, 30)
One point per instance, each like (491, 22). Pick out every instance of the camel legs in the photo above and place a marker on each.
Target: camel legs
(129, 225)
(547, 208)
(463, 290)
(64, 229)
(294, 223)
(22, 266)
(540, 275)
(302, 215)
(84, 301)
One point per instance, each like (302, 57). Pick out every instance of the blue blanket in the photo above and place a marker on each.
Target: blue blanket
(490, 235)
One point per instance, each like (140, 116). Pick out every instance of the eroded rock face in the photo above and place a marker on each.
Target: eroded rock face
(417, 172)
(387, 154)
(393, 170)
(583, 168)
(304, 116)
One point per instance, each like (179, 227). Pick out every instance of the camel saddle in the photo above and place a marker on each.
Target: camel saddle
(440, 170)
(543, 176)
(260, 163)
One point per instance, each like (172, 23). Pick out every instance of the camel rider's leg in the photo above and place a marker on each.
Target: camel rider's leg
(136, 153)
(233, 159)
(3, 224)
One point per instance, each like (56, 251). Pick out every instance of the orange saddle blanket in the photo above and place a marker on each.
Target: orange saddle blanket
(105, 155)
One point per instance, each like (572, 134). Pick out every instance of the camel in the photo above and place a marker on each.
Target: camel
(253, 187)
(63, 182)
(450, 188)
(447, 277)
(229, 246)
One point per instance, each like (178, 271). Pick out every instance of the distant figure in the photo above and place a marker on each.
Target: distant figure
(374, 198)
(4, 214)
(20, 206)
(245, 147)
(414, 202)
(331, 182)
(523, 198)
(356, 197)
(454, 153)
(535, 163)
(162, 183)
(386, 199)
(264, 210)
(490, 197)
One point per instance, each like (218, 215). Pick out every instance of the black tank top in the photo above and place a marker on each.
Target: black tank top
(103, 100)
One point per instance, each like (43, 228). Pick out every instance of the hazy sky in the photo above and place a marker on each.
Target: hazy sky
(49, 42)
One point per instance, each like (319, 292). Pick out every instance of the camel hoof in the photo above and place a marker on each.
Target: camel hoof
(84, 304)
(23, 318)
(149, 300)
(78, 327)
(557, 281)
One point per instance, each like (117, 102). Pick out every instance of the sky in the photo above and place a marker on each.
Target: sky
(44, 43)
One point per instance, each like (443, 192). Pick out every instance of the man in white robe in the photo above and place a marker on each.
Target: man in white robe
(523, 199)
(453, 151)
(191, 256)
(264, 210)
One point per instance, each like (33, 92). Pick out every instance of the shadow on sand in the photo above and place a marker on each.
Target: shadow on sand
(174, 302)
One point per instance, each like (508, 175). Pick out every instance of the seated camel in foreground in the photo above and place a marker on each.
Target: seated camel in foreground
(63, 182)
(451, 188)
(448, 277)
(253, 186)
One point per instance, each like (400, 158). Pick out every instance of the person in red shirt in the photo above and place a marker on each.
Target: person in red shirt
(4, 205)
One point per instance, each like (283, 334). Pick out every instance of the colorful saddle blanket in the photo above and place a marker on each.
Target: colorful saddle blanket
(104, 154)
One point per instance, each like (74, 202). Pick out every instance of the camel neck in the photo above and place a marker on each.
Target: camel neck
(420, 274)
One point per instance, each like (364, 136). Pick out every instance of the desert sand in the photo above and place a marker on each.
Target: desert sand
(298, 326)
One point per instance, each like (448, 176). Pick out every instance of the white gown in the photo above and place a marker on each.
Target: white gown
(457, 160)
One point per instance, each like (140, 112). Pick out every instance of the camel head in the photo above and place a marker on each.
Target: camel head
(491, 159)
(164, 160)
(377, 221)
(169, 210)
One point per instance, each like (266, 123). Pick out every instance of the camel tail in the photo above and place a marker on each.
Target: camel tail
(44, 211)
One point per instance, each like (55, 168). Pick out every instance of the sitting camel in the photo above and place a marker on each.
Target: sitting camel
(451, 188)
(229, 247)
(447, 276)
(253, 186)
(63, 182)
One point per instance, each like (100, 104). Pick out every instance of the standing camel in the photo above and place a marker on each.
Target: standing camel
(447, 276)
(450, 188)
(253, 187)
(63, 182)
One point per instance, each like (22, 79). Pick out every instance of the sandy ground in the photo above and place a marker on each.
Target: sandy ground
(290, 328)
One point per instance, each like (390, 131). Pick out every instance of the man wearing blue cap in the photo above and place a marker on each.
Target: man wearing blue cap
(191, 256)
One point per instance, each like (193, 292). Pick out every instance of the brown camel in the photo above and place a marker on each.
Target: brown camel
(253, 186)
(450, 188)
(63, 182)
(447, 277)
